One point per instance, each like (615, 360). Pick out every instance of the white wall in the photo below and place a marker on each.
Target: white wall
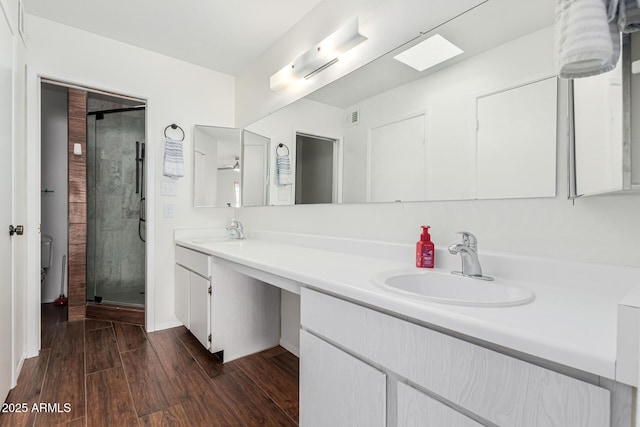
(55, 218)
(176, 92)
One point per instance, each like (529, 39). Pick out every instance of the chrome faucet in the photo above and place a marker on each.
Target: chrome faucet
(468, 251)
(235, 230)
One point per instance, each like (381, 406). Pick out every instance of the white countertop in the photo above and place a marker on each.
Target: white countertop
(572, 320)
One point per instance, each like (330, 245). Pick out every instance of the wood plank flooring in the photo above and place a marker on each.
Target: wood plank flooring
(115, 374)
(110, 312)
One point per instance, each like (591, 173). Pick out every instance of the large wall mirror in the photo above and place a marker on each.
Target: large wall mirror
(479, 125)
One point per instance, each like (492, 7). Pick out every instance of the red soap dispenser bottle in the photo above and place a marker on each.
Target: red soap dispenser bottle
(425, 249)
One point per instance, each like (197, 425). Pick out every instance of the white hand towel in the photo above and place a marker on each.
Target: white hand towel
(586, 42)
(173, 165)
(283, 170)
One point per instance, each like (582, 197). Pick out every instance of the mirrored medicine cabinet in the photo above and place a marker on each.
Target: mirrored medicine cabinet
(216, 167)
(606, 121)
(225, 159)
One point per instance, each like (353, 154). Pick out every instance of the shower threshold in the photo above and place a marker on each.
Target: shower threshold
(117, 312)
(116, 303)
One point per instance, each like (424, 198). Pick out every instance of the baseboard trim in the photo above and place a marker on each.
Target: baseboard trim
(14, 381)
(167, 325)
(290, 347)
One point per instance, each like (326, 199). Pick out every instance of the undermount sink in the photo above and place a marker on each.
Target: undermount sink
(449, 289)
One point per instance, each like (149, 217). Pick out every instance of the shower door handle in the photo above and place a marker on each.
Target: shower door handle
(142, 214)
(18, 229)
(137, 167)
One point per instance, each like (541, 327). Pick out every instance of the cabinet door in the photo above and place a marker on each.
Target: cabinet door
(199, 308)
(337, 389)
(600, 142)
(182, 295)
(416, 409)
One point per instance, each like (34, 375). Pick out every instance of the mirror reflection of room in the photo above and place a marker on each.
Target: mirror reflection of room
(448, 130)
(217, 167)
(315, 163)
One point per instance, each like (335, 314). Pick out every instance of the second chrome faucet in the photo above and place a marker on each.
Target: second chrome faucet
(235, 230)
(468, 251)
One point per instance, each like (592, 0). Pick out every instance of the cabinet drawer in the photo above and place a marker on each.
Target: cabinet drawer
(416, 409)
(499, 388)
(194, 261)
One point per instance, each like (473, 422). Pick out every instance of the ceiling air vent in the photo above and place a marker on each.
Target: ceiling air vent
(353, 118)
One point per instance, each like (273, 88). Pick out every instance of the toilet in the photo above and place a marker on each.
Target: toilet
(46, 255)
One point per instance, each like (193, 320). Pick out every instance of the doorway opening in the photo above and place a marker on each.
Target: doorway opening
(315, 169)
(93, 201)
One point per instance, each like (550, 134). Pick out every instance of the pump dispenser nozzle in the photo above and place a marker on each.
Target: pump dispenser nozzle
(425, 233)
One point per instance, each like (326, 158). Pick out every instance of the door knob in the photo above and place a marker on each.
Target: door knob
(18, 229)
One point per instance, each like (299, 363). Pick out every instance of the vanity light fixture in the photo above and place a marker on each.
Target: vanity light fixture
(319, 57)
(428, 53)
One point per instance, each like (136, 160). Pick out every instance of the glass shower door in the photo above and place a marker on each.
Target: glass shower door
(115, 194)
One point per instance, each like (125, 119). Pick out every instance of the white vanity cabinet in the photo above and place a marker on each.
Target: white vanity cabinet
(432, 378)
(193, 292)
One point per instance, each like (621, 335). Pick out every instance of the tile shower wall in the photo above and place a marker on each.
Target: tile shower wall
(115, 253)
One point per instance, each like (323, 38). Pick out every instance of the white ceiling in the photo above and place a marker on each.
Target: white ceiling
(222, 35)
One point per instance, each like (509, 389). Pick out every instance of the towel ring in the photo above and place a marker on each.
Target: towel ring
(281, 145)
(173, 126)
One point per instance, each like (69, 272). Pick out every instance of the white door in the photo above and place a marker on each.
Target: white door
(392, 174)
(516, 142)
(6, 204)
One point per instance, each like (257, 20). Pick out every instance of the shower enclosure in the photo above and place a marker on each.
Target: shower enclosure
(115, 206)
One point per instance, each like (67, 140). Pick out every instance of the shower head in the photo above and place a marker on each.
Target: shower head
(235, 167)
